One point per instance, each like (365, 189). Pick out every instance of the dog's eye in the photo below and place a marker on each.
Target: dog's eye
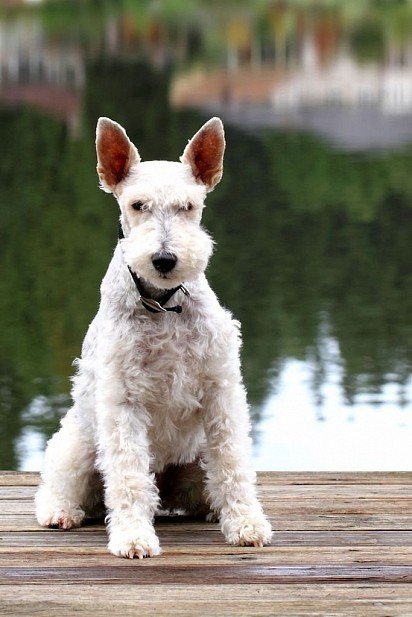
(190, 207)
(138, 205)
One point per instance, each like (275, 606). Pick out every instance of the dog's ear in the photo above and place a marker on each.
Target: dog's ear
(115, 153)
(204, 153)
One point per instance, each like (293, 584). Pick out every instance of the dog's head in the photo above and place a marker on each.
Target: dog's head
(161, 202)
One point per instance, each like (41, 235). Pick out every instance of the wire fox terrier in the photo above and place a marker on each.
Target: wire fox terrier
(159, 408)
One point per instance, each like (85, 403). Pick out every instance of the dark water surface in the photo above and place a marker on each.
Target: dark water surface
(312, 218)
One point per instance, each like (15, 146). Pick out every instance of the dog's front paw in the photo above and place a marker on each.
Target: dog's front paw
(250, 529)
(52, 513)
(61, 518)
(138, 541)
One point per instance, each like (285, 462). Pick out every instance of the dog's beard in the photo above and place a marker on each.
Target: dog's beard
(192, 249)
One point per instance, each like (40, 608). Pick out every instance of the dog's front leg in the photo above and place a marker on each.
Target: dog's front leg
(131, 495)
(230, 476)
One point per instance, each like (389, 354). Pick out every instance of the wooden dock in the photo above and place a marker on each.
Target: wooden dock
(343, 546)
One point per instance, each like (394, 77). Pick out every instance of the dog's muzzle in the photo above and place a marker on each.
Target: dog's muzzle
(151, 305)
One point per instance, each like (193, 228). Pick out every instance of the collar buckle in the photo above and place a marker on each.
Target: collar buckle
(152, 305)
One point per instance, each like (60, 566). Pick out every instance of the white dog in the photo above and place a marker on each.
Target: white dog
(159, 411)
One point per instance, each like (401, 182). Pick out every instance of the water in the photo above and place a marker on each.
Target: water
(312, 219)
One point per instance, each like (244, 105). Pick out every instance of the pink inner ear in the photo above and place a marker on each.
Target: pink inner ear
(205, 156)
(119, 164)
(114, 155)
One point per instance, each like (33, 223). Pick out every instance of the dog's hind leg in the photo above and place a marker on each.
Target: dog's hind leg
(69, 482)
(182, 487)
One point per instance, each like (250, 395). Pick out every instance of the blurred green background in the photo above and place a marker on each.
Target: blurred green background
(314, 208)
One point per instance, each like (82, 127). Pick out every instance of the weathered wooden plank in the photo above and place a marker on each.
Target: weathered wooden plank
(333, 600)
(278, 506)
(280, 522)
(55, 538)
(217, 556)
(196, 538)
(17, 492)
(27, 522)
(246, 573)
(273, 491)
(344, 491)
(19, 478)
(344, 506)
(28, 478)
(339, 478)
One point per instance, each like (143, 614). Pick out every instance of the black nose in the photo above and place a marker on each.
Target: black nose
(164, 261)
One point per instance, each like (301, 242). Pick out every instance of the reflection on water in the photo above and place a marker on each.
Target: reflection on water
(314, 208)
(372, 434)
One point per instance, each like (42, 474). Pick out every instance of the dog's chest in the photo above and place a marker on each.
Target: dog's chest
(170, 365)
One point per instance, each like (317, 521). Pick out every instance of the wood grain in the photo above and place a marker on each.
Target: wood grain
(323, 521)
(289, 478)
(203, 574)
(331, 600)
(19, 478)
(185, 556)
(175, 534)
(278, 491)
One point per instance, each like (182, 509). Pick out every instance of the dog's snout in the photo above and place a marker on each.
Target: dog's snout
(164, 261)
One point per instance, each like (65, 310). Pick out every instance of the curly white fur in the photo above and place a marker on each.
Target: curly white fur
(153, 390)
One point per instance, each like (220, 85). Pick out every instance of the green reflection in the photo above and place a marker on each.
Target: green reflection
(305, 235)
(292, 245)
